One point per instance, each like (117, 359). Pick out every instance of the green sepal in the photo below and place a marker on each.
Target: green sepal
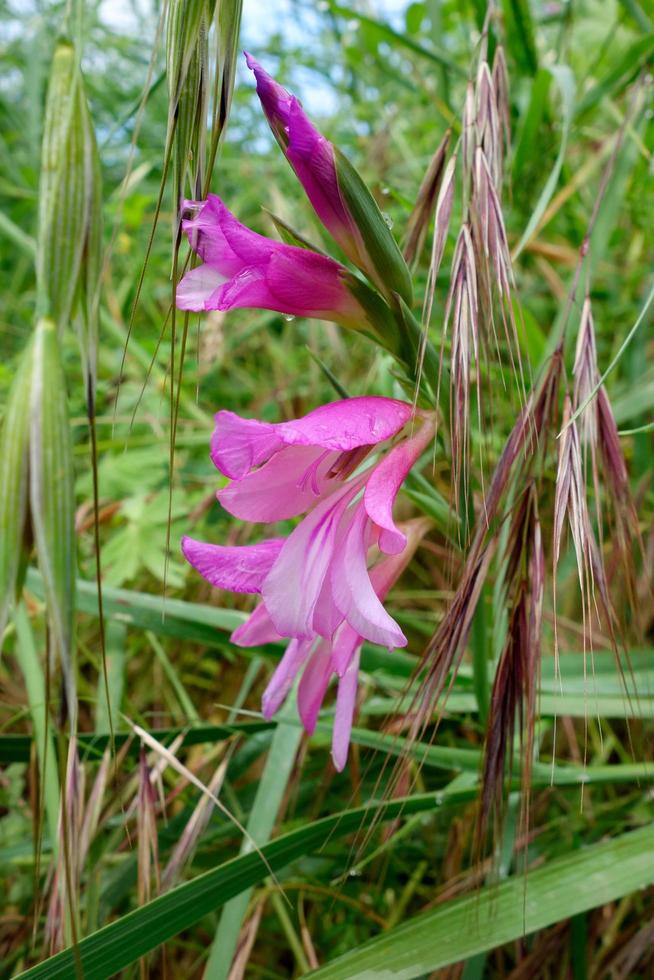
(382, 260)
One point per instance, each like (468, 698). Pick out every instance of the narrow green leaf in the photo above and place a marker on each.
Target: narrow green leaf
(585, 879)
(14, 466)
(107, 951)
(33, 674)
(565, 81)
(519, 28)
(263, 815)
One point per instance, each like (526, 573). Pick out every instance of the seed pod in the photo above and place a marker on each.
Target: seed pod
(14, 469)
(52, 500)
(69, 244)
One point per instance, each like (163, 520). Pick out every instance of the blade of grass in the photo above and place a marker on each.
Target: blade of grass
(32, 671)
(584, 879)
(260, 824)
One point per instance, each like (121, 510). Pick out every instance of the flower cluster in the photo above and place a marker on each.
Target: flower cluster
(322, 586)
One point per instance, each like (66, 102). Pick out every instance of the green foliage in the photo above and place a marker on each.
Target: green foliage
(383, 85)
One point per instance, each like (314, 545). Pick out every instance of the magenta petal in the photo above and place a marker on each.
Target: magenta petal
(221, 240)
(257, 630)
(353, 591)
(383, 486)
(294, 584)
(348, 424)
(239, 444)
(313, 686)
(237, 569)
(287, 485)
(275, 100)
(346, 698)
(312, 158)
(282, 679)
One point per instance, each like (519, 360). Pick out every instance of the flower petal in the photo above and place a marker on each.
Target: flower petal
(348, 424)
(196, 288)
(294, 584)
(237, 569)
(287, 485)
(353, 591)
(238, 444)
(221, 240)
(313, 686)
(384, 483)
(282, 679)
(346, 698)
(257, 630)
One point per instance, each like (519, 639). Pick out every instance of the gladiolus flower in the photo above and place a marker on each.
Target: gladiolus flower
(316, 584)
(244, 269)
(337, 194)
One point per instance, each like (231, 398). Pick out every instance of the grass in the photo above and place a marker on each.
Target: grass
(403, 862)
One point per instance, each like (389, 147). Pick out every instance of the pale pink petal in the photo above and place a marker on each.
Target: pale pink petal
(282, 679)
(346, 698)
(287, 485)
(196, 288)
(327, 617)
(237, 569)
(353, 591)
(238, 444)
(386, 572)
(294, 584)
(257, 630)
(313, 686)
(384, 483)
(344, 645)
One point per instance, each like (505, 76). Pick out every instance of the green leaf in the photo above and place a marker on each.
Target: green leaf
(620, 76)
(565, 81)
(32, 669)
(14, 466)
(520, 34)
(264, 812)
(107, 951)
(585, 879)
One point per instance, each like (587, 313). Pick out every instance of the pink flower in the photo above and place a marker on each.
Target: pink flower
(321, 658)
(244, 269)
(337, 194)
(316, 584)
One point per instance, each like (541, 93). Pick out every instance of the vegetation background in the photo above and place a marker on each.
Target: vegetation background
(158, 886)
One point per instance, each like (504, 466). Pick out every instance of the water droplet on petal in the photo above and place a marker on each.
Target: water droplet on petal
(289, 317)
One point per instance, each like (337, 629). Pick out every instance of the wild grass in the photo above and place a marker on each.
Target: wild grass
(495, 816)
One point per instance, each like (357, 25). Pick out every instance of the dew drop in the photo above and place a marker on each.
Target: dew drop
(388, 221)
(289, 317)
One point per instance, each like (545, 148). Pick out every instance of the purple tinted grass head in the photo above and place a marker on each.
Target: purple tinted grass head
(244, 269)
(600, 440)
(428, 194)
(318, 586)
(570, 501)
(513, 697)
(462, 311)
